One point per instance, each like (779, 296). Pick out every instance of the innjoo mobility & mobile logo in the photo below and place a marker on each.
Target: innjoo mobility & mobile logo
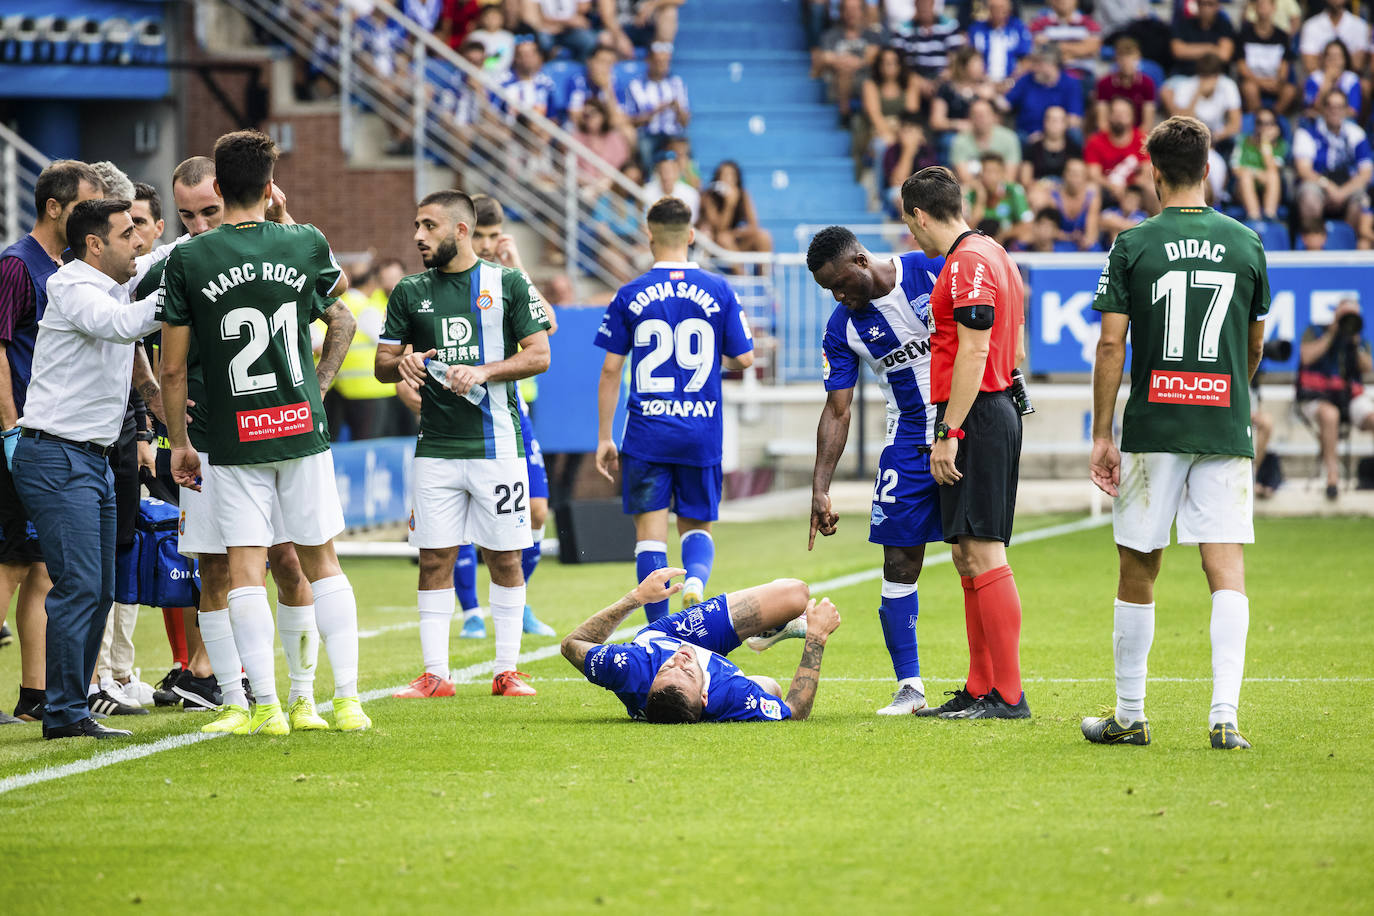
(274, 422)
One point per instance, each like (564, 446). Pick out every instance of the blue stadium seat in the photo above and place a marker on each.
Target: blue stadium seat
(1153, 70)
(1273, 235)
(1339, 237)
(562, 72)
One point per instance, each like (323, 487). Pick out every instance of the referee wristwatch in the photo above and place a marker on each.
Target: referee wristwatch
(943, 431)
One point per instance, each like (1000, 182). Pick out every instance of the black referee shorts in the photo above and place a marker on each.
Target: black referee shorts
(983, 502)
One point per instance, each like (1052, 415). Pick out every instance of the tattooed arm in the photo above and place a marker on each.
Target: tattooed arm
(339, 327)
(599, 627)
(146, 384)
(821, 621)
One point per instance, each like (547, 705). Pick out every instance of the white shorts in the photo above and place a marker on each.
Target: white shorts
(199, 529)
(295, 500)
(1212, 497)
(470, 501)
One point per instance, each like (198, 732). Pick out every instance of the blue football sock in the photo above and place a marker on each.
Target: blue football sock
(649, 556)
(529, 559)
(698, 553)
(465, 576)
(898, 614)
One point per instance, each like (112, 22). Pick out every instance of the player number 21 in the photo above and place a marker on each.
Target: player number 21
(692, 344)
(260, 331)
(1173, 289)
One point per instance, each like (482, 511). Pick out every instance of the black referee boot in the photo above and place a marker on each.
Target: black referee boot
(958, 701)
(993, 706)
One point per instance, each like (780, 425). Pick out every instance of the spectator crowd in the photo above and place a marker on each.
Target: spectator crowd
(1043, 109)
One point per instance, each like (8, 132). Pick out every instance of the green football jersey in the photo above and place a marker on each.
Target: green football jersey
(249, 292)
(474, 317)
(1192, 281)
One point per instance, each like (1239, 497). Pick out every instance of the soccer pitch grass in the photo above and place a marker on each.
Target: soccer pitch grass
(558, 803)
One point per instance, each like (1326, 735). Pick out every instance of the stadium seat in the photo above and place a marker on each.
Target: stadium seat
(1153, 70)
(1273, 235)
(1339, 237)
(562, 72)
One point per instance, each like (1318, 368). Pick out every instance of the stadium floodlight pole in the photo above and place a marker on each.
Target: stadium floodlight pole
(346, 79)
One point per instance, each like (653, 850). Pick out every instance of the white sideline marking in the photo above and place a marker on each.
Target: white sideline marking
(1060, 680)
(472, 672)
(171, 742)
(1037, 534)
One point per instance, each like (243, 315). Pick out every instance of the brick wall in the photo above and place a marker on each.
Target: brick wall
(357, 209)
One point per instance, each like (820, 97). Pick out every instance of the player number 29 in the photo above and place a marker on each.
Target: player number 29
(241, 380)
(1173, 289)
(510, 498)
(692, 345)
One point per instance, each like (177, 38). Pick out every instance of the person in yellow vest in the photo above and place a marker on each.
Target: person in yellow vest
(358, 401)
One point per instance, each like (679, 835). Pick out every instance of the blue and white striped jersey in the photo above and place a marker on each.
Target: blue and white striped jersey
(892, 336)
(645, 95)
(1336, 154)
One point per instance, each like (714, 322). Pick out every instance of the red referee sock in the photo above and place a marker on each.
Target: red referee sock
(979, 661)
(999, 606)
(174, 620)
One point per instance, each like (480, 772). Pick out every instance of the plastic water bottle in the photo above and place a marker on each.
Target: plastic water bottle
(439, 372)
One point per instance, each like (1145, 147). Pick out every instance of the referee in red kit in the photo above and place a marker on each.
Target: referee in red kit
(977, 312)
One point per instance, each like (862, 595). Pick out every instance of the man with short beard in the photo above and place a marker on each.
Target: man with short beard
(471, 482)
(1116, 157)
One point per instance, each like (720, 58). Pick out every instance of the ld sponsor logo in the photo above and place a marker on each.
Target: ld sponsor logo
(1208, 389)
(274, 422)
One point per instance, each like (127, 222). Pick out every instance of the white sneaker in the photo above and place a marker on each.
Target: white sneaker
(116, 692)
(905, 702)
(137, 690)
(794, 629)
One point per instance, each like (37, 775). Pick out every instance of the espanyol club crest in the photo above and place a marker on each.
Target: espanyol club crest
(411, 520)
(181, 525)
(484, 300)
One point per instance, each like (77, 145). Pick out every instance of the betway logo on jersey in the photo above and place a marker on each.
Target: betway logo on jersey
(661, 408)
(913, 350)
(1207, 389)
(274, 422)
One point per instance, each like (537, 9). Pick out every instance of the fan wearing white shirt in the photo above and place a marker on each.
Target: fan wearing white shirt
(81, 366)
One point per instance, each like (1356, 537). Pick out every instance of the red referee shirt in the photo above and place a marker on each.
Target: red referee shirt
(980, 272)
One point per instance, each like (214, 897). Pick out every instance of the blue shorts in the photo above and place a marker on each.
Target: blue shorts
(534, 459)
(691, 492)
(906, 500)
(707, 625)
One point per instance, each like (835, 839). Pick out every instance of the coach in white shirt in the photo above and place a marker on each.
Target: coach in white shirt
(82, 363)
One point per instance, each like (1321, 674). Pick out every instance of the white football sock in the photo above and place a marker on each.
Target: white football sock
(251, 617)
(218, 635)
(1230, 623)
(507, 618)
(916, 682)
(436, 615)
(301, 643)
(336, 614)
(1133, 632)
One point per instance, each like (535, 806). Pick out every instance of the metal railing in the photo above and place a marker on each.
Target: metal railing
(20, 165)
(453, 116)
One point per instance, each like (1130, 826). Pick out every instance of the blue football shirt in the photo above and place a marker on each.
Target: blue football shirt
(892, 335)
(675, 322)
(627, 671)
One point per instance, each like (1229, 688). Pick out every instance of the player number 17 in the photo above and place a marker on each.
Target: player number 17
(1173, 289)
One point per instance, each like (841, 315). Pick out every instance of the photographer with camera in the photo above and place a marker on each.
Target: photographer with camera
(1334, 360)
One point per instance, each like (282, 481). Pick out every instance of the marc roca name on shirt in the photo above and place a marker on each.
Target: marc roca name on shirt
(248, 272)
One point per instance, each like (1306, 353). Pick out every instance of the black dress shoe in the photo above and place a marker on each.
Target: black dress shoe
(84, 728)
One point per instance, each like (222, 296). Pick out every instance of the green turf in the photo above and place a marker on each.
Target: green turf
(560, 804)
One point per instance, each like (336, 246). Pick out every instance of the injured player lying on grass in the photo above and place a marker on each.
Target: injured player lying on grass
(675, 669)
